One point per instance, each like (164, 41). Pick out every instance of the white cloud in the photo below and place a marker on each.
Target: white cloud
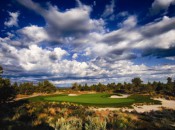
(123, 14)
(32, 58)
(79, 3)
(13, 20)
(72, 22)
(157, 34)
(106, 54)
(109, 9)
(75, 55)
(120, 43)
(131, 21)
(34, 33)
(58, 53)
(160, 5)
(171, 58)
(87, 51)
(37, 60)
(153, 35)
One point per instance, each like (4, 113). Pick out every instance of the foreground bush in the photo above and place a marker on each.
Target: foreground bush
(72, 123)
(95, 123)
(69, 116)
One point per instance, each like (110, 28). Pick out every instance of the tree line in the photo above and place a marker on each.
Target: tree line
(8, 90)
(28, 88)
(136, 86)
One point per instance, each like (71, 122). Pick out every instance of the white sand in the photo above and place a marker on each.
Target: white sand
(122, 96)
(147, 108)
(72, 95)
(169, 104)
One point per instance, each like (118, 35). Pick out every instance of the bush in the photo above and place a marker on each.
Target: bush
(95, 123)
(71, 123)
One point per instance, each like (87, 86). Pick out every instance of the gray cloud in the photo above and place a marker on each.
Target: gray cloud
(155, 29)
(71, 23)
(160, 5)
(160, 53)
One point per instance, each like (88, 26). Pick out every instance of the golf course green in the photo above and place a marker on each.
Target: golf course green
(98, 99)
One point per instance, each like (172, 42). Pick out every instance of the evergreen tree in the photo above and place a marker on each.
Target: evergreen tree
(136, 82)
(7, 92)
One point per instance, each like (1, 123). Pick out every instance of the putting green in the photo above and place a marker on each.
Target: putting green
(99, 99)
(89, 99)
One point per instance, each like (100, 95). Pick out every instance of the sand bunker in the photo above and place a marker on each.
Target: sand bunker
(72, 95)
(122, 96)
(169, 104)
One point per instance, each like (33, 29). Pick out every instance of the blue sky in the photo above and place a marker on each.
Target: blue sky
(87, 41)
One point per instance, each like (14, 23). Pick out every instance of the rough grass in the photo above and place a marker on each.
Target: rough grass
(99, 99)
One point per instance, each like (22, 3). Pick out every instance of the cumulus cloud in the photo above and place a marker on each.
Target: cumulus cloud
(32, 58)
(37, 60)
(155, 35)
(160, 5)
(13, 20)
(88, 50)
(120, 44)
(73, 22)
(34, 33)
(41, 63)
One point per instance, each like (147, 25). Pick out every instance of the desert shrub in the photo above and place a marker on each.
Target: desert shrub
(120, 120)
(95, 123)
(72, 123)
(159, 119)
(60, 117)
(89, 113)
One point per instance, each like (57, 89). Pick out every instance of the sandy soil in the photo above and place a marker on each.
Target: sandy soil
(169, 104)
(20, 97)
(26, 96)
(122, 96)
(72, 95)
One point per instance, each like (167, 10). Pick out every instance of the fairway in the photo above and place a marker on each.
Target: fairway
(99, 99)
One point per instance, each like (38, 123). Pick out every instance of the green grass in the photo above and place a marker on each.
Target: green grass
(99, 99)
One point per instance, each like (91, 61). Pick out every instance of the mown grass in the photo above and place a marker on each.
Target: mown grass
(99, 99)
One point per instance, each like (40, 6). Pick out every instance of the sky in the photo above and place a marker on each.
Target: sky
(87, 41)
